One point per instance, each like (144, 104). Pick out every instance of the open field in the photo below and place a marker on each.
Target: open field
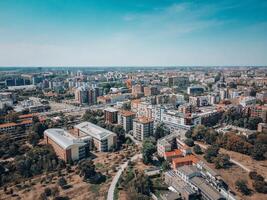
(106, 163)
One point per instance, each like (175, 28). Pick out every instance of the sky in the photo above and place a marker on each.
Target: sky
(133, 32)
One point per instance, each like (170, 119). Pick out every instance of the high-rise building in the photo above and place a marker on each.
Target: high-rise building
(87, 95)
(181, 82)
(111, 115)
(150, 90)
(125, 119)
(142, 128)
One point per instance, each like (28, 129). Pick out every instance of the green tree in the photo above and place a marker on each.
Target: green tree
(211, 153)
(62, 182)
(189, 142)
(148, 150)
(222, 161)
(242, 187)
(197, 149)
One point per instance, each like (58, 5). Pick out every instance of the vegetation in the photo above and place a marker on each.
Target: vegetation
(197, 149)
(242, 187)
(211, 153)
(87, 170)
(148, 150)
(161, 131)
(255, 145)
(241, 119)
(189, 142)
(222, 161)
(259, 184)
(136, 184)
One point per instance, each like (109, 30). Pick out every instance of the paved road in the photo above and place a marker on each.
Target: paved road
(76, 109)
(231, 160)
(115, 180)
(133, 139)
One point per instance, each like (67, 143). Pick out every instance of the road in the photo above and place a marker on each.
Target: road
(76, 109)
(115, 180)
(133, 139)
(231, 160)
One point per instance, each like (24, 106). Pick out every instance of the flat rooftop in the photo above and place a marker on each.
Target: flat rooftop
(63, 138)
(94, 130)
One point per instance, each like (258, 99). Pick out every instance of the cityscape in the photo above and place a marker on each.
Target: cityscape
(133, 100)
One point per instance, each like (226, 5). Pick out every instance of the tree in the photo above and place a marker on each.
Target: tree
(253, 122)
(148, 150)
(199, 132)
(197, 149)
(165, 165)
(242, 187)
(189, 142)
(258, 151)
(120, 134)
(211, 153)
(33, 138)
(62, 182)
(87, 169)
(222, 161)
(161, 131)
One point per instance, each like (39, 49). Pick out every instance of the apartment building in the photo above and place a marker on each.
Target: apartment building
(125, 119)
(111, 115)
(142, 128)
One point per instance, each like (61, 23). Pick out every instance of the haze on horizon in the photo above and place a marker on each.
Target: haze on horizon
(133, 32)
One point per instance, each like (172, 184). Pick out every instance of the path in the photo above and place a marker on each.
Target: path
(115, 180)
(231, 160)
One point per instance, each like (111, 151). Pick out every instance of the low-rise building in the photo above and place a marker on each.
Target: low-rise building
(102, 139)
(66, 146)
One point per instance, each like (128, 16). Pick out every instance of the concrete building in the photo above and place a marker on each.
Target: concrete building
(181, 82)
(195, 90)
(142, 128)
(111, 115)
(102, 139)
(125, 119)
(150, 90)
(66, 146)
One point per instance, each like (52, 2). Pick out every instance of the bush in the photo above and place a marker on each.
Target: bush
(255, 176)
(189, 142)
(62, 182)
(197, 149)
(47, 192)
(242, 187)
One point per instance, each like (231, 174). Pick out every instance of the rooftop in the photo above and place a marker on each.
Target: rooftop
(187, 170)
(94, 130)
(63, 138)
(187, 158)
(110, 109)
(144, 120)
(126, 113)
(205, 188)
(176, 152)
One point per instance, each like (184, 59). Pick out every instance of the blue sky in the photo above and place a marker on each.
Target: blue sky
(132, 32)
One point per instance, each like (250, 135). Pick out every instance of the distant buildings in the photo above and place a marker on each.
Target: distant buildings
(87, 95)
(180, 82)
(195, 90)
